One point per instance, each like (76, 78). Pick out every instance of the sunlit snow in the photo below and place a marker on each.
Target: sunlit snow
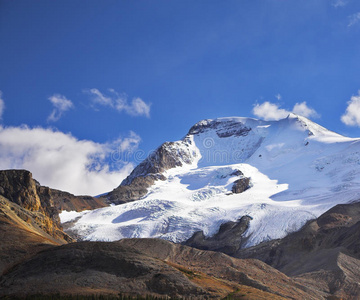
(298, 170)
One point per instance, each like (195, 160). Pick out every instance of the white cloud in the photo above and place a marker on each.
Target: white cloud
(354, 19)
(119, 102)
(339, 3)
(138, 108)
(99, 98)
(303, 110)
(272, 112)
(61, 105)
(269, 111)
(2, 105)
(351, 117)
(63, 162)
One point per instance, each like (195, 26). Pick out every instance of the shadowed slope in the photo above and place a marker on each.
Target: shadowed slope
(325, 253)
(148, 267)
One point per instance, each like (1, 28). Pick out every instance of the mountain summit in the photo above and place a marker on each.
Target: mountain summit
(279, 174)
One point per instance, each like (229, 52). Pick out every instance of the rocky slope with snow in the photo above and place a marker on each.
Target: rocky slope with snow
(295, 170)
(324, 254)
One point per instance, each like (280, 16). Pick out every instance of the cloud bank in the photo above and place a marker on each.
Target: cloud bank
(271, 112)
(117, 101)
(61, 161)
(61, 105)
(351, 117)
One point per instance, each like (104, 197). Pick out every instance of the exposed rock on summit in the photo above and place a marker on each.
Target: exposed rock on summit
(223, 129)
(167, 156)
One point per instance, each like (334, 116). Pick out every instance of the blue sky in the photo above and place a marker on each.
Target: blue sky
(129, 75)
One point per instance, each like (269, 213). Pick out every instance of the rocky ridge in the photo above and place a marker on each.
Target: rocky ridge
(168, 155)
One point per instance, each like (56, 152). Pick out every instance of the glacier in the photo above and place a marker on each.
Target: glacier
(297, 170)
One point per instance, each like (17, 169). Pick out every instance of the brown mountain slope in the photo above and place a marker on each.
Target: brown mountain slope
(325, 253)
(148, 267)
(23, 233)
(29, 216)
(248, 272)
(69, 202)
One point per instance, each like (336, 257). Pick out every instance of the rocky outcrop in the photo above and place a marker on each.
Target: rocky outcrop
(167, 156)
(147, 267)
(229, 239)
(223, 129)
(241, 185)
(19, 187)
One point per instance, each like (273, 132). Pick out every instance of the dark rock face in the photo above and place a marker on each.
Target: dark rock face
(167, 156)
(241, 185)
(19, 187)
(133, 191)
(223, 128)
(228, 239)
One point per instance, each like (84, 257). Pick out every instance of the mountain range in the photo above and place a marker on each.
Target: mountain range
(238, 209)
(280, 174)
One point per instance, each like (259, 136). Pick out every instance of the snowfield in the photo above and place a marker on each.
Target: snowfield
(297, 171)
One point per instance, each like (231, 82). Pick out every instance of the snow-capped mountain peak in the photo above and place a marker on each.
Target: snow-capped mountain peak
(289, 171)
